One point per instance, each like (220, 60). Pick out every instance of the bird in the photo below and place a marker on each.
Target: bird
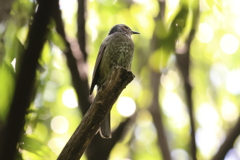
(116, 50)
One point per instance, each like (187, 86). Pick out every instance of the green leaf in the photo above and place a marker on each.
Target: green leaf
(31, 143)
(6, 88)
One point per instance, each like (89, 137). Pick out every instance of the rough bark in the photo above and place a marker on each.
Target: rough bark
(101, 106)
(101, 148)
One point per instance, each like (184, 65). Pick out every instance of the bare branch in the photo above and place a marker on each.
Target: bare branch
(155, 108)
(96, 150)
(157, 116)
(183, 61)
(81, 27)
(102, 104)
(76, 64)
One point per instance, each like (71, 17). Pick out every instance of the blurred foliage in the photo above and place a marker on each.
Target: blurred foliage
(215, 75)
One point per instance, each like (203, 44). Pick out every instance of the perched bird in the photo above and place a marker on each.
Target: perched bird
(116, 50)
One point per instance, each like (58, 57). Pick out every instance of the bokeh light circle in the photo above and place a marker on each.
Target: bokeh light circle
(56, 145)
(69, 98)
(229, 44)
(218, 73)
(170, 81)
(126, 106)
(229, 111)
(207, 116)
(205, 33)
(237, 26)
(232, 82)
(59, 124)
(179, 154)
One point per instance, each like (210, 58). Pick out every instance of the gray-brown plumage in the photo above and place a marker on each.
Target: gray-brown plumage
(116, 50)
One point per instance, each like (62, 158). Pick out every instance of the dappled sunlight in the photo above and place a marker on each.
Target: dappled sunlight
(126, 106)
(232, 82)
(59, 124)
(229, 44)
(203, 6)
(68, 9)
(58, 77)
(218, 73)
(174, 108)
(92, 23)
(170, 81)
(146, 131)
(208, 140)
(50, 91)
(179, 154)
(232, 154)
(205, 33)
(199, 42)
(59, 58)
(234, 7)
(237, 25)
(69, 98)
(229, 111)
(56, 145)
(207, 116)
(107, 2)
(172, 4)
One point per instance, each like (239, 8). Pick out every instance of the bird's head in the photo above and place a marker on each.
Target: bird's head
(123, 29)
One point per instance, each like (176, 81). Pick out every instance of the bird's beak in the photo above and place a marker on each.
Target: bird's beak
(134, 32)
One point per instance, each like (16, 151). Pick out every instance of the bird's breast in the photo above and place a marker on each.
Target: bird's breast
(120, 51)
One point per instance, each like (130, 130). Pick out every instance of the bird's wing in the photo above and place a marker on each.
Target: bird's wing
(99, 58)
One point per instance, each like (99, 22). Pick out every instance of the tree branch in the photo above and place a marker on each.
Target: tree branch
(183, 61)
(81, 27)
(155, 108)
(228, 143)
(25, 81)
(76, 64)
(96, 150)
(102, 104)
(157, 117)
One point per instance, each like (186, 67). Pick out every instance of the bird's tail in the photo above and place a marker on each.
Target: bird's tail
(105, 130)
